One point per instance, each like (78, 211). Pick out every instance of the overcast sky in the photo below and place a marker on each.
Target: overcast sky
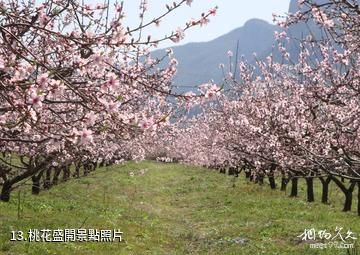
(231, 14)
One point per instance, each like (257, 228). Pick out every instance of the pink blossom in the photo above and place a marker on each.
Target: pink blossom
(188, 95)
(146, 123)
(86, 136)
(213, 11)
(2, 63)
(43, 18)
(204, 21)
(91, 118)
(36, 100)
(42, 80)
(178, 36)
(112, 81)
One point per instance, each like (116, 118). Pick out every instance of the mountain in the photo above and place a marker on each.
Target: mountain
(199, 62)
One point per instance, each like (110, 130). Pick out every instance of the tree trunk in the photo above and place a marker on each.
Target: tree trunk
(261, 180)
(325, 189)
(358, 198)
(231, 170)
(56, 175)
(272, 181)
(348, 201)
(29, 172)
(238, 171)
(66, 173)
(272, 177)
(77, 170)
(5, 191)
(347, 192)
(348, 197)
(35, 189)
(86, 169)
(223, 170)
(47, 180)
(252, 178)
(284, 182)
(248, 174)
(294, 187)
(310, 189)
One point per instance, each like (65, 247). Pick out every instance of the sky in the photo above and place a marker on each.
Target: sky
(230, 15)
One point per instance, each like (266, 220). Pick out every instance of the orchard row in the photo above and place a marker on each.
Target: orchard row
(294, 118)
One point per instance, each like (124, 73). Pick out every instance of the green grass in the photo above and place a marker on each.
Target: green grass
(172, 209)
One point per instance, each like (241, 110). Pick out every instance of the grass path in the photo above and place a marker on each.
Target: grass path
(171, 209)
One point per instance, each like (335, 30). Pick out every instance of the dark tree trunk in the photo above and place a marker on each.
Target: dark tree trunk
(86, 169)
(252, 178)
(35, 188)
(5, 191)
(294, 187)
(348, 201)
(238, 171)
(47, 180)
(310, 189)
(284, 182)
(272, 176)
(272, 181)
(77, 170)
(325, 189)
(223, 170)
(348, 197)
(260, 179)
(56, 176)
(232, 170)
(358, 198)
(347, 192)
(248, 174)
(66, 173)
(29, 172)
